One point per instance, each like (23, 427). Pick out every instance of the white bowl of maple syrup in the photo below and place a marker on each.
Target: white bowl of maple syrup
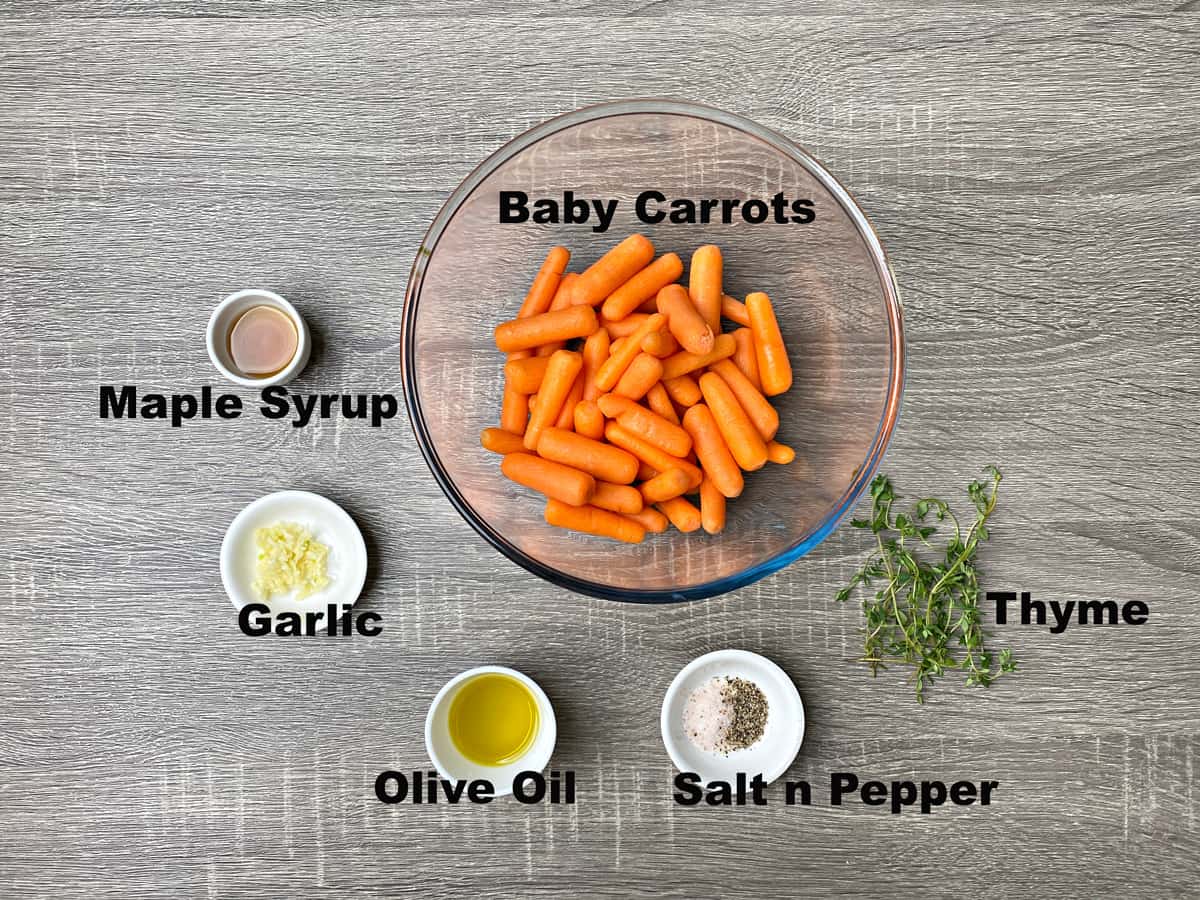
(257, 339)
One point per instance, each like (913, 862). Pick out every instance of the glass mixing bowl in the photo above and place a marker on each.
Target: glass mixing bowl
(832, 289)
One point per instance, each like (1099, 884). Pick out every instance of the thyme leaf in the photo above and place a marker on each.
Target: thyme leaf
(925, 614)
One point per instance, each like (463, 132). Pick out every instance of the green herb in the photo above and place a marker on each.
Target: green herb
(926, 614)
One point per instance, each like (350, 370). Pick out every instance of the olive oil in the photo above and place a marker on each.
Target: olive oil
(493, 719)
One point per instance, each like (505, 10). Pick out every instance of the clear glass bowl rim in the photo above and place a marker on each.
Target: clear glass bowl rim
(894, 309)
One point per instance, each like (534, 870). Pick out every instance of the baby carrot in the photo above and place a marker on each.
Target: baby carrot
(618, 498)
(589, 421)
(595, 352)
(561, 373)
(660, 402)
(541, 294)
(601, 460)
(525, 374)
(684, 321)
(562, 299)
(704, 285)
(780, 453)
(566, 415)
(761, 413)
(653, 457)
(745, 356)
(720, 468)
(615, 346)
(645, 471)
(642, 286)
(514, 410)
(550, 478)
(620, 328)
(683, 362)
(643, 373)
(682, 389)
(734, 310)
(682, 514)
(650, 519)
(661, 344)
(712, 507)
(742, 438)
(671, 483)
(648, 425)
(774, 370)
(500, 441)
(591, 520)
(558, 325)
(612, 270)
(619, 359)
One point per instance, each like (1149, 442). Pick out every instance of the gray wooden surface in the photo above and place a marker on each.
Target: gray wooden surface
(1033, 172)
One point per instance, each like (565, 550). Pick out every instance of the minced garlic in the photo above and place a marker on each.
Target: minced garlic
(289, 558)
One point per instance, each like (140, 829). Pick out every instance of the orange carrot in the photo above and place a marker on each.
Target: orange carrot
(661, 344)
(742, 438)
(671, 483)
(682, 389)
(648, 425)
(620, 358)
(653, 457)
(761, 413)
(591, 520)
(720, 468)
(612, 270)
(562, 299)
(683, 515)
(595, 352)
(525, 374)
(545, 285)
(558, 325)
(774, 370)
(734, 310)
(780, 453)
(566, 415)
(642, 286)
(620, 328)
(550, 478)
(683, 362)
(704, 285)
(500, 441)
(650, 519)
(615, 346)
(684, 321)
(589, 421)
(514, 410)
(712, 507)
(745, 356)
(645, 472)
(601, 460)
(560, 376)
(643, 373)
(648, 306)
(660, 402)
(618, 498)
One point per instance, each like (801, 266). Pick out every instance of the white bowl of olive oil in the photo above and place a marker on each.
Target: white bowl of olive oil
(490, 723)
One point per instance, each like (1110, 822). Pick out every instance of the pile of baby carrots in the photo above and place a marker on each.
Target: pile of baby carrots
(618, 416)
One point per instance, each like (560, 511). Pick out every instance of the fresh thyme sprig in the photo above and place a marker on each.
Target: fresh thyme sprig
(922, 606)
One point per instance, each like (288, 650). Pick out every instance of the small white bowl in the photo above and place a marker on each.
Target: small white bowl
(225, 316)
(329, 524)
(452, 765)
(771, 755)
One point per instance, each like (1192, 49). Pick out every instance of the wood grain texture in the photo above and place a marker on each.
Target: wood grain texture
(1034, 176)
